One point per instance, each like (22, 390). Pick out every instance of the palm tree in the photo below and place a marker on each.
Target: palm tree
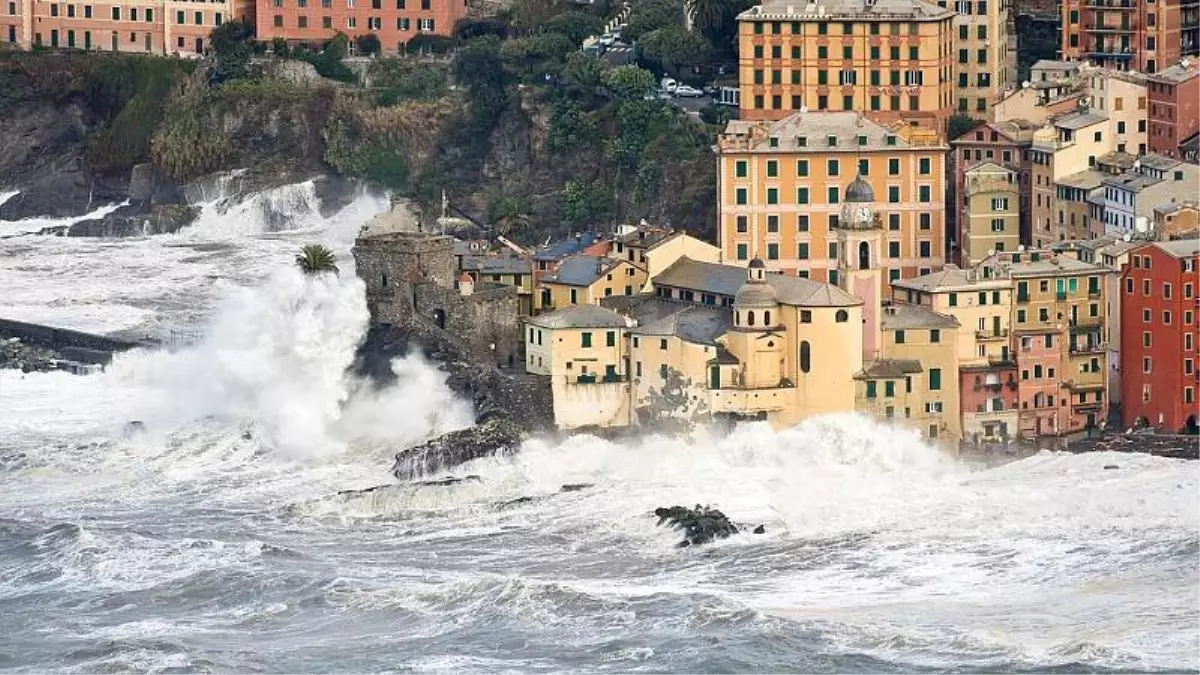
(707, 15)
(509, 214)
(316, 259)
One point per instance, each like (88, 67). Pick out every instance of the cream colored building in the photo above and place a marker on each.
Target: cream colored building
(1067, 145)
(678, 245)
(583, 349)
(987, 368)
(917, 334)
(1121, 96)
(991, 214)
(982, 63)
(585, 280)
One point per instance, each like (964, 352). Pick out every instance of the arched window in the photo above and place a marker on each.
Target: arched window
(767, 318)
(805, 357)
(842, 316)
(749, 318)
(864, 256)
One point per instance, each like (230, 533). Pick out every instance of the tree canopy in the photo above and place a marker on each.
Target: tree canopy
(649, 16)
(316, 259)
(629, 82)
(674, 48)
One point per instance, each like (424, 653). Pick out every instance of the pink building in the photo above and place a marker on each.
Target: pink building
(1040, 366)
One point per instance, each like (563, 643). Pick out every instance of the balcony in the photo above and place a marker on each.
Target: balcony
(592, 378)
(1110, 4)
(989, 335)
(1124, 28)
(1060, 296)
(1023, 297)
(1088, 348)
(1116, 52)
(1094, 293)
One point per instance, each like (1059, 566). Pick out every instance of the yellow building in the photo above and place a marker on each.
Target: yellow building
(585, 280)
(983, 66)
(912, 333)
(671, 348)
(1121, 95)
(782, 188)
(991, 215)
(1059, 322)
(1073, 208)
(884, 390)
(663, 253)
(987, 370)
(583, 349)
(890, 59)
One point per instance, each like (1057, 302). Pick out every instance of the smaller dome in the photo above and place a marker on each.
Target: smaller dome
(756, 296)
(757, 264)
(860, 191)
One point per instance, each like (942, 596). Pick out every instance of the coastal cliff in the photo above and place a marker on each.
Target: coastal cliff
(82, 130)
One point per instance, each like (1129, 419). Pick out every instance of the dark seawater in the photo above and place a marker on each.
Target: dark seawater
(214, 539)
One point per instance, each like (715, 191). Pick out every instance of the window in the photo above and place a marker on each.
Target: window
(924, 194)
(870, 389)
(893, 166)
(802, 223)
(893, 221)
(802, 250)
(802, 195)
(894, 194)
(923, 166)
(935, 379)
(802, 167)
(740, 168)
(832, 195)
(893, 249)
(116, 14)
(772, 168)
(899, 337)
(586, 340)
(772, 195)
(198, 18)
(925, 248)
(740, 195)
(772, 251)
(741, 252)
(742, 224)
(805, 356)
(935, 336)
(832, 167)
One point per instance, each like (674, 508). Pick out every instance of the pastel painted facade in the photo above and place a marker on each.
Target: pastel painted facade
(915, 333)
(887, 59)
(782, 187)
(992, 218)
(583, 350)
(585, 280)
(143, 27)
(678, 245)
(1068, 145)
(983, 67)
(1122, 96)
(395, 22)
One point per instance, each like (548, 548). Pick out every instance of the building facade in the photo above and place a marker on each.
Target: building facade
(890, 59)
(782, 186)
(1004, 143)
(151, 27)
(982, 62)
(395, 22)
(991, 217)
(1140, 35)
(1174, 107)
(1159, 359)
(1069, 144)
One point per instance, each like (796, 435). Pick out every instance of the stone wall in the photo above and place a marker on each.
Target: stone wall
(485, 322)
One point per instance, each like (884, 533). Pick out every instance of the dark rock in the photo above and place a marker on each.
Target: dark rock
(760, 530)
(1111, 466)
(69, 191)
(494, 437)
(27, 358)
(440, 482)
(700, 524)
(136, 221)
(575, 487)
(148, 187)
(518, 501)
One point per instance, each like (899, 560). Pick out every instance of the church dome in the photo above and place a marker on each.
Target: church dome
(860, 191)
(756, 295)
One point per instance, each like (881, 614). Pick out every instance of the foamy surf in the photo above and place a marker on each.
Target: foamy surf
(213, 537)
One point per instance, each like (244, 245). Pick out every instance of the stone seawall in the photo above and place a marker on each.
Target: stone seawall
(1174, 446)
(71, 344)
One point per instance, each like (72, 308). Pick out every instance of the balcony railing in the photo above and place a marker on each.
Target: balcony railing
(1090, 348)
(991, 334)
(1094, 293)
(603, 379)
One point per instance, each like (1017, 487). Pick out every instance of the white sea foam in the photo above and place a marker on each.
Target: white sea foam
(13, 228)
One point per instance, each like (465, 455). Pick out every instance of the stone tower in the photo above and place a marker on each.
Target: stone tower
(860, 248)
(393, 265)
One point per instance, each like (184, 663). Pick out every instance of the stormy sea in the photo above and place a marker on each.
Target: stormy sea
(212, 536)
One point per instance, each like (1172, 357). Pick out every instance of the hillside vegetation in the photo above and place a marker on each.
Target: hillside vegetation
(516, 124)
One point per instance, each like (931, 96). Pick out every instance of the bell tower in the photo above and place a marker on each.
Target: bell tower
(756, 338)
(860, 249)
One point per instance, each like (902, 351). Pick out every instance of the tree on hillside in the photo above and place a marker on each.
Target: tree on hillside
(508, 215)
(231, 45)
(717, 21)
(584, 73)
(959, 124)
(575, 25)
(649, 16)
(368, 44)
(674, 48)
(629, 82)
(469, 28)
(316, 259)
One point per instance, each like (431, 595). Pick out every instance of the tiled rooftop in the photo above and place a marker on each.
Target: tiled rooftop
(838, 10)
(850, 131)
(725, 280)
(579, 316)
(902, 317)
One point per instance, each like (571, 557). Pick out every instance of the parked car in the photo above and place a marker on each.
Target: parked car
(686, 91)
(668, 85)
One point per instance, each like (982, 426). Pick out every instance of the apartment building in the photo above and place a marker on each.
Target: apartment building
(1174, 107)
(1141, 35)
(987, 375)
(395, 22)
(1058, 322)
(1160, 364)
(982, 67)
(991, 217)
(146, 27)
(1122, 96)
(1069, 144)
(890, 59)
(584, 280)
(1005, 144)
(1127, 201)
(1076, 195)
(782, 186)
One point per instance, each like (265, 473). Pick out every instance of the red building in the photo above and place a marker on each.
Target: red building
(394, 22)
(1004, 143)
(1141, 35)
(1159, 340)
(1174, 115)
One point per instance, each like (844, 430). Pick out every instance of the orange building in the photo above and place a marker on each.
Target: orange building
(1141, 35)
(889, 59)
(395, 22)
(137, 26)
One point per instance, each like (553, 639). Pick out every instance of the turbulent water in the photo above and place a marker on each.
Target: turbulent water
(213, 537)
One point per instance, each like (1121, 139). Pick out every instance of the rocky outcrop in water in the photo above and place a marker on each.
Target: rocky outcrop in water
(700, 524)
(26, 358)
(497, 436)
